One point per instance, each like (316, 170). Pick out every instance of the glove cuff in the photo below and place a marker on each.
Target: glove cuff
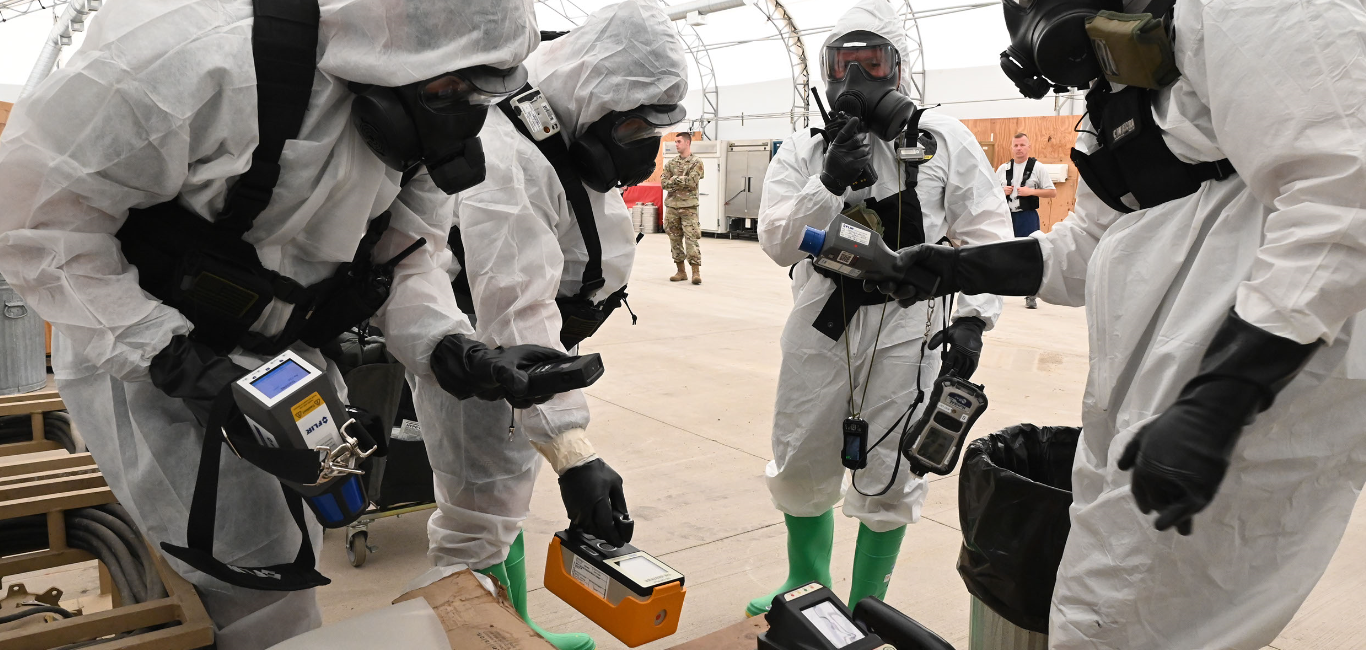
(832, 185)
(451, 363)
(972, 322)
(1010, 268)
(567, 450)
(1249, 355)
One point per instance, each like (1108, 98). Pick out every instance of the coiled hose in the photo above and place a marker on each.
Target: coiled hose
(108, 533)
(56, 427)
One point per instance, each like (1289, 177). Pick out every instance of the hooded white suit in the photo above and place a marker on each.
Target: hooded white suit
(960, 197)
(523, 248)
(1276, 88)
(159, 105)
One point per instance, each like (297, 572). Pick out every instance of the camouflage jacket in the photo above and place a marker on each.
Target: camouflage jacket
(680, 180)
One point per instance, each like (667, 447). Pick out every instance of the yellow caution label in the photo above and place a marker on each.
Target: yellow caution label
(306, 406)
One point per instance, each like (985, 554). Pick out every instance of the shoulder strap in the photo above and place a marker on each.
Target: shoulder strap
(557, 153)
(1159, 8)
(1029, 169)
(1010, 173)
(284, 49)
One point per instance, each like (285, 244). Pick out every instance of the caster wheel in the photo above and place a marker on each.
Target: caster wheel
(357, 550)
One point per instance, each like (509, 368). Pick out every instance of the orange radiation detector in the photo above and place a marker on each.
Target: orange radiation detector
(625, 590)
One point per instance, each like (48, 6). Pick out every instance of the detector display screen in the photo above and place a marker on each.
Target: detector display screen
(936, 447)
(832, 623)
(641, 569)
(281, 378)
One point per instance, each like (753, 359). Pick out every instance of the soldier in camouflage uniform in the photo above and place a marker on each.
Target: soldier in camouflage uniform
(680, 180)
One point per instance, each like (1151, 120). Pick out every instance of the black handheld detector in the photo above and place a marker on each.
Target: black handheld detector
(811, 617)
(560, 375)
(954, 406)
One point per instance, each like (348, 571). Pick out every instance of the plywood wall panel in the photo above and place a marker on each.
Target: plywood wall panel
(1051, 137)
(4, 114)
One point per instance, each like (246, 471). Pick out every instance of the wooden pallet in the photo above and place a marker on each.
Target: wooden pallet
(34, 404)
(50, 484)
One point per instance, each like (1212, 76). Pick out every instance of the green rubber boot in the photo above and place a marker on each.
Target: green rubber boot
(511, 573)
(874, 561)
(809, 543)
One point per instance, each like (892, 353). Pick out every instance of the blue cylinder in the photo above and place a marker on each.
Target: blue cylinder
(812, 241)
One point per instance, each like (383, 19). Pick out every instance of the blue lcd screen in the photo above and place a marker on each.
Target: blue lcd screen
(276, 381)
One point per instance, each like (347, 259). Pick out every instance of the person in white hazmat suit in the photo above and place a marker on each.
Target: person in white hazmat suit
(156, 111)
(847, 352)
(1228, 369)
(523, 248)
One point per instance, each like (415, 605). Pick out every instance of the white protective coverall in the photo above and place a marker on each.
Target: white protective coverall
(960, 197)
(523, 248)
(159, 104)
(1277, 88)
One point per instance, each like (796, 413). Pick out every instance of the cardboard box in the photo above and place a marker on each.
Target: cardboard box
(741, 636)
(473, 618)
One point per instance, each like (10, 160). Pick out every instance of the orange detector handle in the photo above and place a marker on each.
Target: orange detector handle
(587, 584)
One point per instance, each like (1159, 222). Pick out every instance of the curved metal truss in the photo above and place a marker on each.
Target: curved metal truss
(10, 9)
(916, 64)
(782, 21)
(697, 50)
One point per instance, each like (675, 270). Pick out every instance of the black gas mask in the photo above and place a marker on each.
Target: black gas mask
(619, 149)
(1049, 48)
(434, 122)
(862, 71)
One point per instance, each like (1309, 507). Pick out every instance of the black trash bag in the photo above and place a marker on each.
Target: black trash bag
(1014, 492)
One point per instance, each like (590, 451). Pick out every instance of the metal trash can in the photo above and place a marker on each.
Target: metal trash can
(645, 218)
(23, 345)
(1014, 492)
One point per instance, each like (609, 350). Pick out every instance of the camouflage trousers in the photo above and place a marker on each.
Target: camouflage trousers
(684, 231)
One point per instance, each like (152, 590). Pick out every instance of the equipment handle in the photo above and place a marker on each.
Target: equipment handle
(896, 628)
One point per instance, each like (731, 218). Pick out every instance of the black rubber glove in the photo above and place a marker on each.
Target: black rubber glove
(964, 337)
(194, 373)
(1009, 268)
(849, 153)
(467, 368)
(1179, 459)
(596, 504)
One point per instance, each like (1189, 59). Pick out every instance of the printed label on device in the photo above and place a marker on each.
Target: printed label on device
(589, 575)
(315, 422)
(262, 436)
(855, 234)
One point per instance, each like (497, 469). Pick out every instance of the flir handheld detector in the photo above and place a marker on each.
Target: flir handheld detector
(560, 375)
(625, 590)
(937, 438)
(856, 251)
(289, 404)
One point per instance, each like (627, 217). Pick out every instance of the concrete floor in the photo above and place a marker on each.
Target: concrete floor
(684, 414)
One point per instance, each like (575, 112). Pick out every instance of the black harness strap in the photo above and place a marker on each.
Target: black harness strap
(556, 151)
(284, 44)
(300, 574)
(1025, 202)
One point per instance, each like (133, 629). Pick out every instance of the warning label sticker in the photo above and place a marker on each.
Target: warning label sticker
(315, 422)
(591, 576)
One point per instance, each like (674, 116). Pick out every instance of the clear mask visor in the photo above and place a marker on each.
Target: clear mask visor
(454, 92)
(877, 60)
